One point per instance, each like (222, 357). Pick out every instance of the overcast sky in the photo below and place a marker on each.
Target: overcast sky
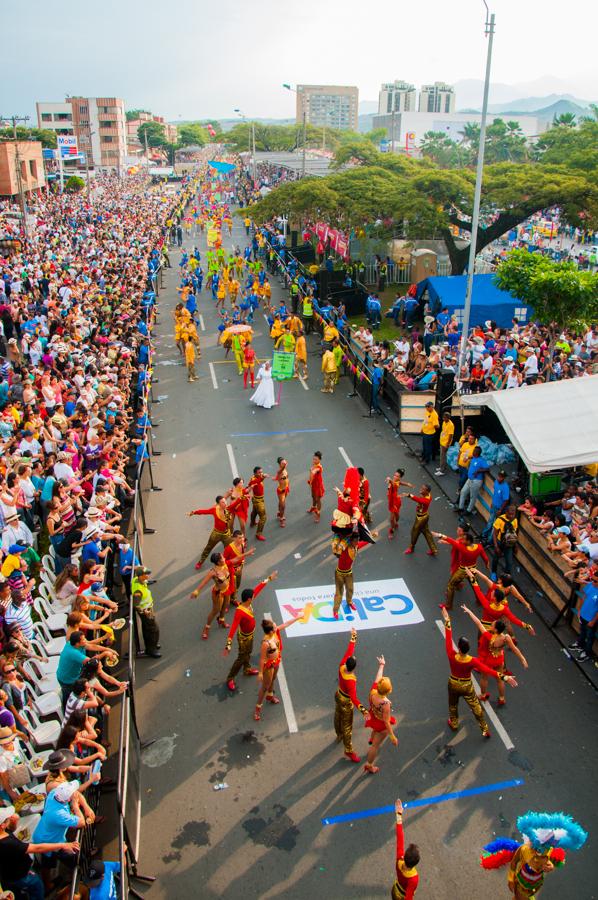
(201, 58)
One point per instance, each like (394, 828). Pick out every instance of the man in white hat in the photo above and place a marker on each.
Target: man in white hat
(16, 856)
(62, 811)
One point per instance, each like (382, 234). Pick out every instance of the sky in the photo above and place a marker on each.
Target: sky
(195, 59)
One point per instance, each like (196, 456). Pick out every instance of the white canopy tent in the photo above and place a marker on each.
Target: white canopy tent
(551, 426)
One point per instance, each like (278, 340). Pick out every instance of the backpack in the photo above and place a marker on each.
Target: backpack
(508, 537)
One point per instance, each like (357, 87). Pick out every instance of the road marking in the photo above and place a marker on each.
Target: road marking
(343, 453)
(231, 459)
(268, 433)
(424, 801)
(285, 695)
(201, 323)
(498, 726)
(303, 382)
(213, 374)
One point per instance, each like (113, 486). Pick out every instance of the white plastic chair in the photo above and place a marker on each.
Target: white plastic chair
(29, 823)
(42, 734)
(45, 683)
(54, 621)
(49, 566)
(37, 772)
(46, 703)
(45, 668)
(46, 590)
(51, 646)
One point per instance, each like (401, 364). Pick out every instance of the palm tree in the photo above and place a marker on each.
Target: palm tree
(565, 119)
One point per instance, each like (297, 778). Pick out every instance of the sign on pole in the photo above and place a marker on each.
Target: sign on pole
(67, 144)
(283, 365)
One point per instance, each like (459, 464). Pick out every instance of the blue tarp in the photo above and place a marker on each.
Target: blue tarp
(487, 300)
(221, 166)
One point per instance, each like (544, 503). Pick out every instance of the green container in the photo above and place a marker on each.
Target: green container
(541, 484)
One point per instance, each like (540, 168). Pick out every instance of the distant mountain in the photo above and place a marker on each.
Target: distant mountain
(548, 113)
(533, 104)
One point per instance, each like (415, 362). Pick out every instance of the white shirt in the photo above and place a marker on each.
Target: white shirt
(530, 366)
(63, 470)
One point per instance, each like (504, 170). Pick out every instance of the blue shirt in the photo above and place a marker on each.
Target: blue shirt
(589, 606)
(477, 467)
(70, 663)
(91, 551)
(107, 889)
(501, 494)
(56, 819)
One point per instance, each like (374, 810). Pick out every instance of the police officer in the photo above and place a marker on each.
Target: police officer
(144, 606)
(307, 313)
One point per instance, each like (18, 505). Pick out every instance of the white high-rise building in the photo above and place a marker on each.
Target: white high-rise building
(437, 98)
(396, 96)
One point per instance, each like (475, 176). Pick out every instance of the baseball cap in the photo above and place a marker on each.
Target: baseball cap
(6, 812)
(95, 873)
(16, 548)
(142, 570)
(65, 791)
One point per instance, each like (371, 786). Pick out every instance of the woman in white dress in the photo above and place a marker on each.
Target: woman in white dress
(264, 394)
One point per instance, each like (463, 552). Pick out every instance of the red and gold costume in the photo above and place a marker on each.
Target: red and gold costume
(463, 555)
(364, 499)
(345, 699)
(394, 498)
(343, 574)
(244, 624)
(421, 524)
(374, 718)
(407, 880)
(460, 683)
(489, 653)
(496, 609)
(316, 481)
(248, 364)
(258, 505)
(222, 526)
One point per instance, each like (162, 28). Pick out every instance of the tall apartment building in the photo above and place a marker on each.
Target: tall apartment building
(21, 163)
(332, 106)
(98, 123)
(396, 96)
(437, 98)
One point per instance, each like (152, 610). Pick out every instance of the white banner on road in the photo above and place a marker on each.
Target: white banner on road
(380, 604)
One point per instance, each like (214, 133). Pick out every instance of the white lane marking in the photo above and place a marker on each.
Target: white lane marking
(201, 323)
(343, 453)
(232, 461)
(213, 374)
(267, 323)
(489, 712)
(303, 382)
(285, 695)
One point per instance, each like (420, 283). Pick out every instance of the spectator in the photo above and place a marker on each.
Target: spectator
(475, 478)
(500, 498)
(447, 435)
(587, 610)
(504, 539)
(429, 428)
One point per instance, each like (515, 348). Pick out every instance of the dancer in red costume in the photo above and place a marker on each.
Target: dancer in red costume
(495, 607)
(316, 483)
(379, 717)
(467, 553)
(248, 364)
(407, 879)
(491, 651)
(223, 514)
(364, 496)
(244, 625)
(270, 660)
(219, 575)
(240, 494)
(346, 698)
(421, 524)
(460, 683)
(283, 487)
(235, 555)
(395, 499)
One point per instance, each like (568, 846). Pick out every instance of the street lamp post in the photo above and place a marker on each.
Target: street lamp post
(478, 193)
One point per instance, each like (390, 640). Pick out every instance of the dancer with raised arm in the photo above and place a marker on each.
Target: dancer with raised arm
(346, 698)
(380, 718)
(491, 651)
(270, 660)
(407, 879)
(244, 625)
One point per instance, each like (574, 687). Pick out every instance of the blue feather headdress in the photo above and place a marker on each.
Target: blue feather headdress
(545, 830)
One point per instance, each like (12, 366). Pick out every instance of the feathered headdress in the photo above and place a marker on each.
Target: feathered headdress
(547, 833)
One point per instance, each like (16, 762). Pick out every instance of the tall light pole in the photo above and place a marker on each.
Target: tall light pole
(478, 193)
(251, 143)
(22, 201)
(303, 160)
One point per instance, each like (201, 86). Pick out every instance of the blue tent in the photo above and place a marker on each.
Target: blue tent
(487, 300)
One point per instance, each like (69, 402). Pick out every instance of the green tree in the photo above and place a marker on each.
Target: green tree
(559, 292)
(46, 136)
(74, 184)
(441, 149)
(575, 148)
(192, 133)
(156, 135)
(567, 120)
(134, 113)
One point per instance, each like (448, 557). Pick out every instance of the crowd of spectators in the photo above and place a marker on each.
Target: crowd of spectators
(74, 360)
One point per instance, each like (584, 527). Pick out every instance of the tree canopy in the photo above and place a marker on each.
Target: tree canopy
(156, 134)
(419, 198)
(134, 113)
(192, 133)
(560, 294)
(46, 136)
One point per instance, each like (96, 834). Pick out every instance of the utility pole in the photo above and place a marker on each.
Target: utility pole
(392, 123)
(22, 201)
(253, 162)
(478, 193)
(304, 138)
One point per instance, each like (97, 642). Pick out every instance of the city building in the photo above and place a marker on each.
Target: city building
(331, 106)
(397, 96)
(135, 147)
(98, 123)
(22, 158)
(410, 127)
(437, 98)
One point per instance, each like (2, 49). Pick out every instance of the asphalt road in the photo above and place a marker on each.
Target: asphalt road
(263, 836)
